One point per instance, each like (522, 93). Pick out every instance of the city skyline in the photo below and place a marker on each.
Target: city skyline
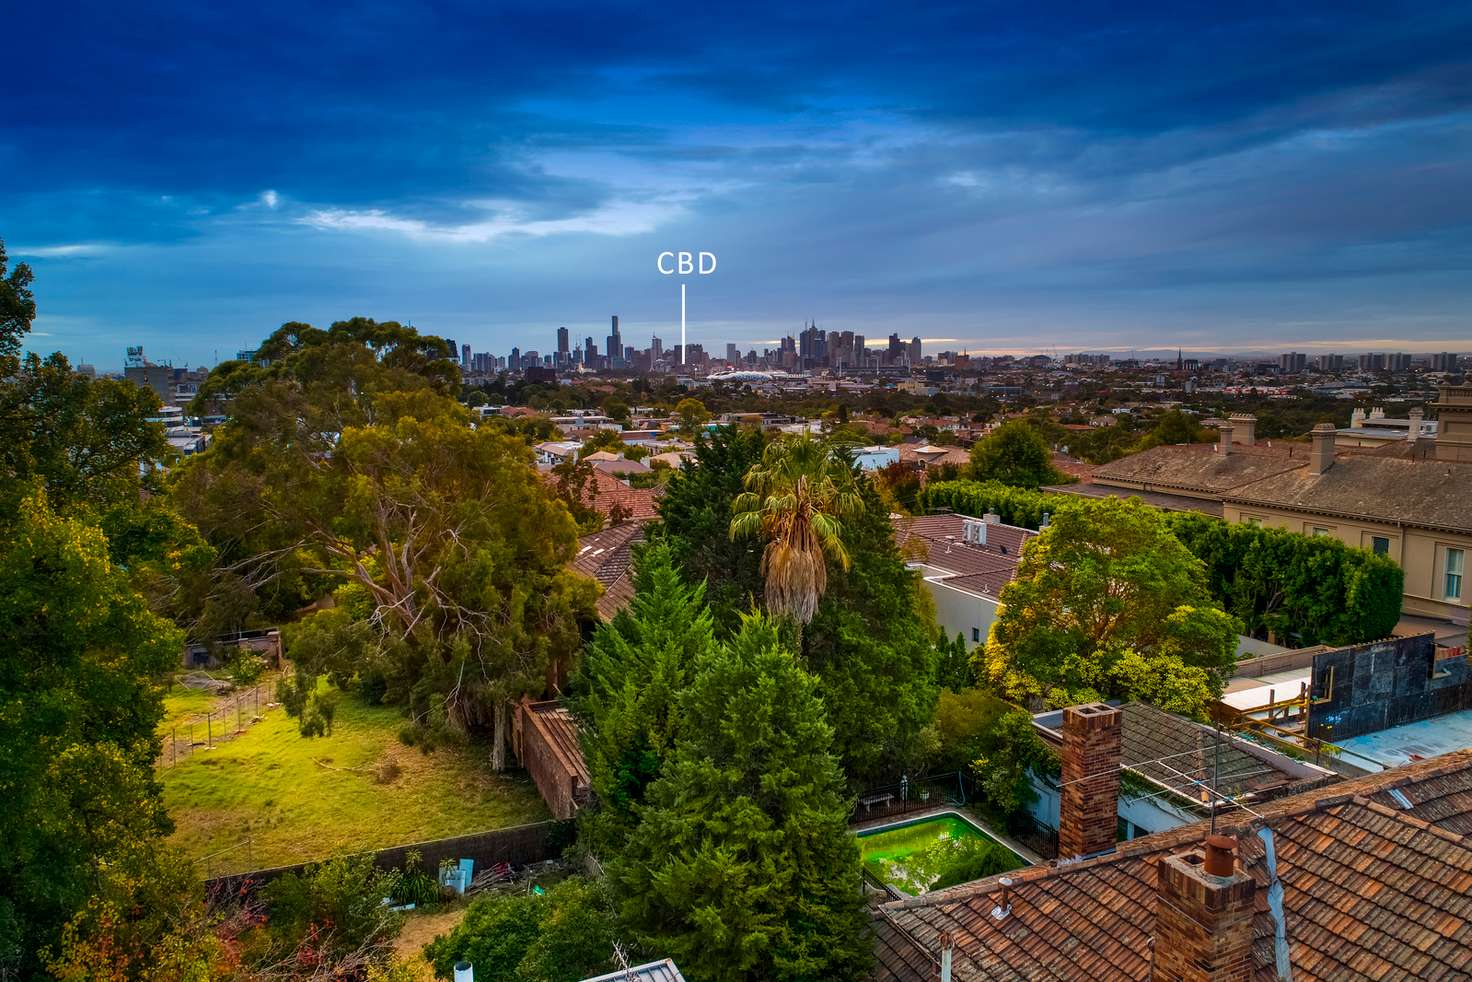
(1015, 181)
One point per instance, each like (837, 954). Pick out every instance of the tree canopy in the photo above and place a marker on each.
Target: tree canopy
(345, 461)
(872, 637)
(80, 699)
(1107, 603)
(629, 684)
(795, 501)
(17, 309)
(1016, 454)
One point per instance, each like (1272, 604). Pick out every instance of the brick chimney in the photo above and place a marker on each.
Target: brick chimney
(1203, 915)
(1245, 425)
(1321, 458)
(1089, 806)
(1225, 432)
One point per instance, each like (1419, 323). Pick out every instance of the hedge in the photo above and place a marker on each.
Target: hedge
(1304, 589)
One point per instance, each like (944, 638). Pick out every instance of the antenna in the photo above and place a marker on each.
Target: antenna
(1216, 766)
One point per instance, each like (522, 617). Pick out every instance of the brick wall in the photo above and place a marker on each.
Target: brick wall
(1089, 795)
(1203, 923)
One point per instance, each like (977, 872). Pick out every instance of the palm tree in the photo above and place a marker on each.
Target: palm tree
(796, 499)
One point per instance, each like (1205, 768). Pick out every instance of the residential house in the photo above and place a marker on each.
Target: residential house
(1412, 506)
(1369, 878)
(964, 563)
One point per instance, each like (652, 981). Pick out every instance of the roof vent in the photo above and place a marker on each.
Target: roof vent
(1004, 908)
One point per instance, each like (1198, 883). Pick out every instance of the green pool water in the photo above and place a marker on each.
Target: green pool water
(934, 852)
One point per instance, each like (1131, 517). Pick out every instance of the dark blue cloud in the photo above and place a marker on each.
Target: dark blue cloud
(181, 168)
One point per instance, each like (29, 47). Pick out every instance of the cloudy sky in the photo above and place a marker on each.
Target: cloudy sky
(1011, 176)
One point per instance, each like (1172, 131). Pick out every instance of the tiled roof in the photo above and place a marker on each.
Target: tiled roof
(606, 556)
(1369, 891)
(560, 732)
(931, 456)
(1199, 467)
(1430, 493)
(937, 541)
(620, 465)
(604, 491)
(1444, 800)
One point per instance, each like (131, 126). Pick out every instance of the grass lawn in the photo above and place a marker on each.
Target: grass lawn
(267, 784)
(182, 704)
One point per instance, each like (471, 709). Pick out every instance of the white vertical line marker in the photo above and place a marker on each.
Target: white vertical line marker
(682, 323)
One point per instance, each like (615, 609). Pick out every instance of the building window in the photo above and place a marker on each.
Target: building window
(1456, 565)
(1319, 530)
(976, 634)
(1380, 544)
(1254, 521)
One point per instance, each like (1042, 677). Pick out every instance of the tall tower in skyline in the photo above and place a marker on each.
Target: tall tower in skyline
(615, 346)
(562, 347)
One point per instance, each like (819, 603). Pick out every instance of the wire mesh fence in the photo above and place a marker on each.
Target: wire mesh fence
(909, 795)
(229, 718)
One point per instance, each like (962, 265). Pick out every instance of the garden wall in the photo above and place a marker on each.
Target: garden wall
(520, 845)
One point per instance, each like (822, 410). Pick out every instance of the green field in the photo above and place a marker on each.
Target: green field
(271, 797)
(182, 704)
(933, 853)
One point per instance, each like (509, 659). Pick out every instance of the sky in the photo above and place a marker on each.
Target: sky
(990, 177)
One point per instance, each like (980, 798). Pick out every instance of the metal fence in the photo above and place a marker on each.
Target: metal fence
(909, 795)
(222, 723)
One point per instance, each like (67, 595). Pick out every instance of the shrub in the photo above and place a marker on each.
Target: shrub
(566, 934)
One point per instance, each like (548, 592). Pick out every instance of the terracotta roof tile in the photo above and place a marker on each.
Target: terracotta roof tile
(1370, 890)
(1200, 467)
(607, 557)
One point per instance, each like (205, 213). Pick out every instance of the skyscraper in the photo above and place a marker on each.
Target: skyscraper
(465, 357)
(562, 347)
(590, 354)
(615, 346)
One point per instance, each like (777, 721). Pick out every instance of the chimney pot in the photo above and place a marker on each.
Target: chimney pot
(1203, 919)
(1221, 855)
(1244, 426)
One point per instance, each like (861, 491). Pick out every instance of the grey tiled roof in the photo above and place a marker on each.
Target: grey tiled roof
(1431, 493)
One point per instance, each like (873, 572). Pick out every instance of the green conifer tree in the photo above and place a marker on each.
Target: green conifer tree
(742, 866)
(629, 682)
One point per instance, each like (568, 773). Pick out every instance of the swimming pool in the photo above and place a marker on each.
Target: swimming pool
(933, 852)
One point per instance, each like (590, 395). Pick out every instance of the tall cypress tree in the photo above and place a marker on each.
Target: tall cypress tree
(742, 865)
(628, 684)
